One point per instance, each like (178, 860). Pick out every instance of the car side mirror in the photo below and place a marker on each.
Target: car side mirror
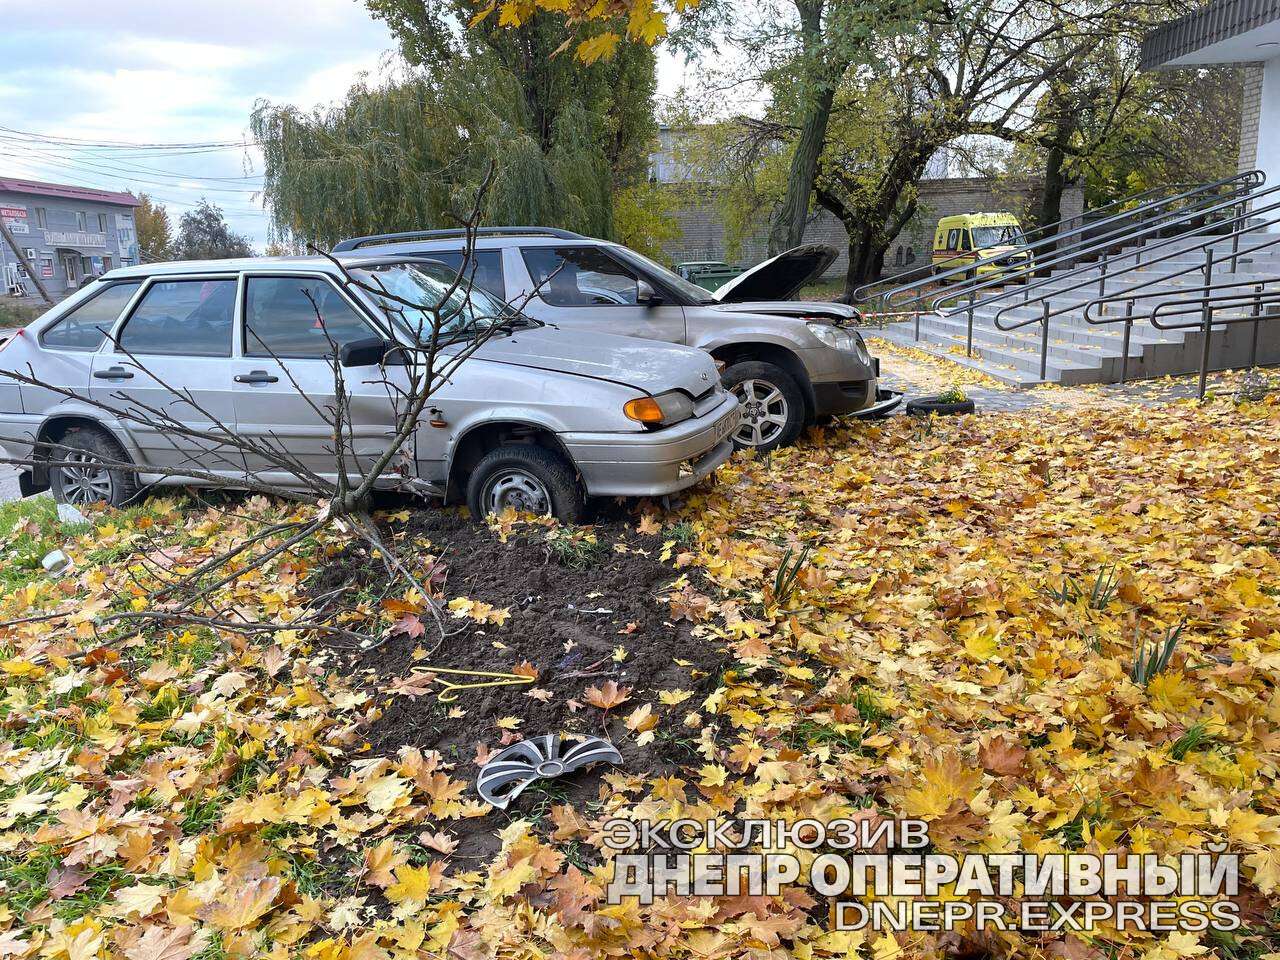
(646, 295)
(368, 352)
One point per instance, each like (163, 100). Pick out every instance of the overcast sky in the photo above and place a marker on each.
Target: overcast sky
(155, 71)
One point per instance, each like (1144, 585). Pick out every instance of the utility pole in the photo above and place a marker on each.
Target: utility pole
(22, 259)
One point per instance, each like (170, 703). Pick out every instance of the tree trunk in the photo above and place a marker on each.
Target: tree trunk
(788, 226)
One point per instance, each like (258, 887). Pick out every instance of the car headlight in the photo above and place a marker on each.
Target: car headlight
(838, 338)
(666, 408)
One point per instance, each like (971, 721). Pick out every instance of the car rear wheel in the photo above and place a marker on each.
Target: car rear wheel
(528, 479)
(82, 476)
(772, 407)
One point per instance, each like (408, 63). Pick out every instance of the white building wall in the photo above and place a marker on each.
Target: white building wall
(1268, 155)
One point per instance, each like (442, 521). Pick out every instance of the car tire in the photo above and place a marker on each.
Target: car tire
(778, 414)
(92, 482)
(924, 406)
(528, 478)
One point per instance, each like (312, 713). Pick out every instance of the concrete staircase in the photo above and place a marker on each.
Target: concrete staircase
(1080, 352)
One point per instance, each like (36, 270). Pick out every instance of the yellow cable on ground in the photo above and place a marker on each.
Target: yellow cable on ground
(449, 694)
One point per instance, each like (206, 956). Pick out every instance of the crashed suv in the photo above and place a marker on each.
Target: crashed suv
(537, 418)
(789, 362)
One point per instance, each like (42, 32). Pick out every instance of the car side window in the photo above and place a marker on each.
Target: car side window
(190, 318)
(580, 277)
(966, 240)
(297, 317)
(485, 268)
(85, 327)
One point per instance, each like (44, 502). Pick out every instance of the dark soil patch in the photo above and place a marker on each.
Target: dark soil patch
(567, 618)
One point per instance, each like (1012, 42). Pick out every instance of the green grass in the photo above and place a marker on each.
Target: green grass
(30, 529)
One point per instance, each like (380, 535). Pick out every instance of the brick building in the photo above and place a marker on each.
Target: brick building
(67, 233)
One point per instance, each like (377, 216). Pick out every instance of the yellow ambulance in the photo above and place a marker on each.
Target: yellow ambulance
(970, 237)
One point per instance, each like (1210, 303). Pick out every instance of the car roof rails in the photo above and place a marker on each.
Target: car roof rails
(376, 239)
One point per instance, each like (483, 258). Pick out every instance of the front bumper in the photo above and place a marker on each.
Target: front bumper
(655, 462)
(841, 383)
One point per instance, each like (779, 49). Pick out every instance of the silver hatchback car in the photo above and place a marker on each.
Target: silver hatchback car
(536, 418)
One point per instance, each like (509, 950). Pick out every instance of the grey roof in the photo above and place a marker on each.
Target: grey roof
(1219, 21)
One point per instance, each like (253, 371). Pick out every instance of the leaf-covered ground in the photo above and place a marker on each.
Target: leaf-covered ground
(943, 654)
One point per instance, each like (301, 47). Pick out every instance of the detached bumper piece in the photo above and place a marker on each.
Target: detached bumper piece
(507, 774)
(886, 402)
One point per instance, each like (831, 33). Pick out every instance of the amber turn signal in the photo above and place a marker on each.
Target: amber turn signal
(645, 409)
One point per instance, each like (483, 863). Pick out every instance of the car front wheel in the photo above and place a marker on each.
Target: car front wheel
(772, 407)
(528, 479)
(79, 473)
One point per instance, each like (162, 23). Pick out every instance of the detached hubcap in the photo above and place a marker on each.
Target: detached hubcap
(84, 479)
(764, 412)
(519, 490)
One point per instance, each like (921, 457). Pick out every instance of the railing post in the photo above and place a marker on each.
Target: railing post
(968, 347)
(1257, 322)
(1206, 321)
(1102, 277)
(1235, 246)
(1128, 332)
(1044, 342)
(917, 326)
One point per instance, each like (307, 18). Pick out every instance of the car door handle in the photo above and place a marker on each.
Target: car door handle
(256, 376)
(113, 373)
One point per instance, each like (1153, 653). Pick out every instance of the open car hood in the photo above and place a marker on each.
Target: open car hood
(778, 278)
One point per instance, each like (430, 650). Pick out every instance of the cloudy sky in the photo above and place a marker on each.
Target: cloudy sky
(159, 72)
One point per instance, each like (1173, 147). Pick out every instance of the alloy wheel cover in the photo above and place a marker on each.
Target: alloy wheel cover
(510, 771)
(764, 412)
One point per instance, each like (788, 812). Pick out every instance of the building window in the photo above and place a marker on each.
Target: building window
(102, 223)
(82, 221)
(41, 220)
(911, 255)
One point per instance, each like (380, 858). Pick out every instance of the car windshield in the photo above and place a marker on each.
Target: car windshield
(690, 291)
(410, 291)
(998, 236)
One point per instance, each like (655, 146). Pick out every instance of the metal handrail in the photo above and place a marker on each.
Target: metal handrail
(1207, 301)
(1141, 260)
(1242, 186)
(1254, 178)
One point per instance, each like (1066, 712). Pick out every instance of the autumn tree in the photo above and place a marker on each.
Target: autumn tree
(564, 137)
(155, 232)
(203, 234)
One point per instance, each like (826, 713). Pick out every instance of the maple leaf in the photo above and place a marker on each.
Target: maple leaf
(380, 864)
(441, 842)
(1002, 757)
(164, 944)
(607, 696)
(241, 906)
(409, 625)
(65, 881)
(412, 887)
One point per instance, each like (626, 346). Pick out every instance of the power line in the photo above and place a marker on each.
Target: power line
(125, 144)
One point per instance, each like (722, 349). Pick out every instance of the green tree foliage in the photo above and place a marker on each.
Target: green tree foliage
(643, 220)
(155, 232)
(562, 137)
(203, 234)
